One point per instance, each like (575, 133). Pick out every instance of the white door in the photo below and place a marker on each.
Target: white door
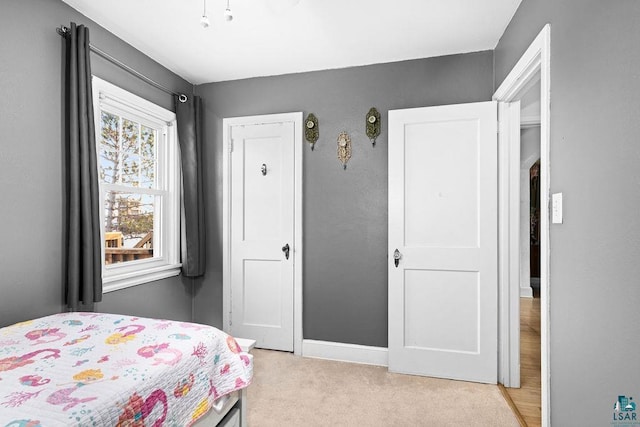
(261, 222)
(443, 223)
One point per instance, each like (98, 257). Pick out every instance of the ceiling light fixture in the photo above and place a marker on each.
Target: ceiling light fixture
(228, 15)
(204, 21)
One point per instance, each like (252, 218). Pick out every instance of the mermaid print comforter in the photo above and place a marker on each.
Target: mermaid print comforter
(94, 369)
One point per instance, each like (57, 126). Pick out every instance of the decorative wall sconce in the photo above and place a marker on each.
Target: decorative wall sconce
(311, 130)
(373, 125)
(344, 148)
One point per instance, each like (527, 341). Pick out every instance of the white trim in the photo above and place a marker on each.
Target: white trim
(298, 247)
(353, 353)
(524, 73)
(535, 61)
(110, 94)
(526, 292)
(226, 226)
(509, 241)
(529, 121)
(138, 278)
(296, 118)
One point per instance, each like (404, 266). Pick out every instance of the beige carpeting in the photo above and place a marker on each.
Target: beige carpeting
(289, 390)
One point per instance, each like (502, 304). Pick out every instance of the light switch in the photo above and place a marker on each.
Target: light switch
(556, 208)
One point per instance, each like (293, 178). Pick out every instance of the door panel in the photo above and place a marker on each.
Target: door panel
(261, 293)
(262, 193)
(262, 222)
(448, 298)
(443, 221)
(446, 214)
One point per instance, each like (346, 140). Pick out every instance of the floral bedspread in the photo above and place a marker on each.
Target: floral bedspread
(94, 369)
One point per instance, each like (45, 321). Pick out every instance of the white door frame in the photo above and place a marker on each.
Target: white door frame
(535, 62)
(509, 240)
(296, 119)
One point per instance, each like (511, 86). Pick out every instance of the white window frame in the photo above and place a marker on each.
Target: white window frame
(166, 260)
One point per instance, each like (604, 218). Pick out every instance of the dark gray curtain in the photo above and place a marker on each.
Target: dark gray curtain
(84, 266)
(189, 116)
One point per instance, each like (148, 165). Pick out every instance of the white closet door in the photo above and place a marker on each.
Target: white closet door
(262, 226)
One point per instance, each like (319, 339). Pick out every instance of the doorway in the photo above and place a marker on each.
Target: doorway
(526, 398)
(262, 230)
(533, 67)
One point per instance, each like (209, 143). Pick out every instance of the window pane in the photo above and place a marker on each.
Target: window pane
(108, 155)
(130, 152)
(127, 152)
(147, 157)
(131, 169)
(128, 222)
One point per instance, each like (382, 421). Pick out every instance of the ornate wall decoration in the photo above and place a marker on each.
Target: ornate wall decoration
(373, 125)
(311, 130)
(344, 148)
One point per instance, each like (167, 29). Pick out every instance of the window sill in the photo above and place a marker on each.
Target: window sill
(127, 280)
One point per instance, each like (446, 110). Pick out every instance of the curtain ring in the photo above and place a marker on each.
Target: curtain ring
(182, 98)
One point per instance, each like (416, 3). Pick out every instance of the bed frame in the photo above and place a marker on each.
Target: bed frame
(229, 412)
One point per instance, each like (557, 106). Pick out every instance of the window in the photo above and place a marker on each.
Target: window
(138, 173)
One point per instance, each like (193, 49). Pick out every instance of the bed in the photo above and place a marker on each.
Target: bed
(95, 369)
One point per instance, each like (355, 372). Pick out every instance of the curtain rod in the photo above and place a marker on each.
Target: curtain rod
(64, 31)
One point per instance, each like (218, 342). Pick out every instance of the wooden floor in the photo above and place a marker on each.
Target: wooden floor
(527, 398)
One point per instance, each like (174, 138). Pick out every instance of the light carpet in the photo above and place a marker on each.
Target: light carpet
(289, 390)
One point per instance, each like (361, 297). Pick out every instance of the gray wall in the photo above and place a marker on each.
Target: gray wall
(31, 159)
(595, 151)
(345, 212)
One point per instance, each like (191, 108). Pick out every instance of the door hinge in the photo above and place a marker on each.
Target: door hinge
(231, 145)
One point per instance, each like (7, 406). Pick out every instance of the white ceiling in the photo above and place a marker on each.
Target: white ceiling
(271, 37)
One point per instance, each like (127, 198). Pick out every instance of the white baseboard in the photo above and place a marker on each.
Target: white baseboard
(353, 353)
(526, 292)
